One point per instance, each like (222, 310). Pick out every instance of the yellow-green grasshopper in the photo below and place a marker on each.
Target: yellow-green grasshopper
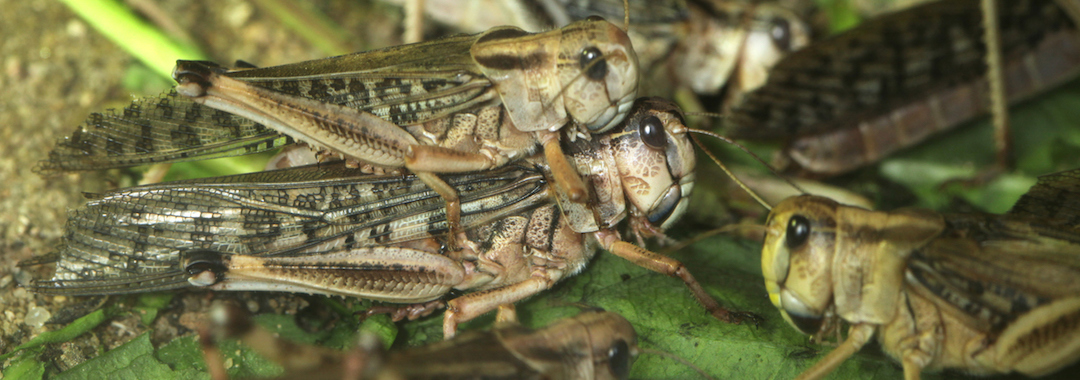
(980, 293)
(456, 104)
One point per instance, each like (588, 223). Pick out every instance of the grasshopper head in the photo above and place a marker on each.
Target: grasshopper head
(599, 72)
(774, 32)
(656, 161)
(797, 259)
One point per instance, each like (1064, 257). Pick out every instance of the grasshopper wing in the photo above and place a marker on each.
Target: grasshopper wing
(133, 239)
(997, 268)
(404, 84)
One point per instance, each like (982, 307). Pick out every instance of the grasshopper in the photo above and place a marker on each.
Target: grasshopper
(980, 293)
(594, 344)
(846, 102)
(228, 240)
(457, 104)
(711, 47)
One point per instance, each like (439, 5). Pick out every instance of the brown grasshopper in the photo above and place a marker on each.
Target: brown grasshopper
(979, 293)
(594, 344)
(229, 240)
(847, 101)
(456, 104)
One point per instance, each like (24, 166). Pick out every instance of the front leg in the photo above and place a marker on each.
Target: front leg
(567, 179)
(858, 335)
(671, 267)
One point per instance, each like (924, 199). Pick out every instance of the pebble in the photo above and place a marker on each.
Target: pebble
(21, 293)
(252, 306)
(76, 28)
(36, 317)
(23, 277)
(4, 281)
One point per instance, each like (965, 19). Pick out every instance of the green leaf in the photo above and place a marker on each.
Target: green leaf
(382, 326)
(26, 367)
(285, 326)
(149, 304)
(184, 355)
(134, 360)
(69, 332)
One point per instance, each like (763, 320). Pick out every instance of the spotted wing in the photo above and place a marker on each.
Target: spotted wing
(405, 84)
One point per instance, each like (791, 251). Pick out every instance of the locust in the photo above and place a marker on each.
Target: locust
(980, 293)
(594, 344)
(303, 237)
(713, 48)
(456, 104)
(851, 99)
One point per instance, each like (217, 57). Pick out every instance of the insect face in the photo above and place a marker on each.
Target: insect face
(656, 161)
(599, 70)
(797, 259)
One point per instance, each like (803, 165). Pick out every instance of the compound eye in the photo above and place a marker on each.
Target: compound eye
(595, 18)
(780, 32)
(798, 231)
(652, 132)
(592, 61)
(619, 360)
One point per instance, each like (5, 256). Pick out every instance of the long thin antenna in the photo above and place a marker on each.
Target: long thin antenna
(706, 114)
(747, 151)
(732, 175)
(722, 230)
(626, 15)
(729, 173)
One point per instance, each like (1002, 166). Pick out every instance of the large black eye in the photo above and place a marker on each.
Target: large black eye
(798, 230)
(780, 32)
(619, 360)
(595, 18)
(592, 61)
(652, 132)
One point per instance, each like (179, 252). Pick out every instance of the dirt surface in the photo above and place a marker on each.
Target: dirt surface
(56, 70)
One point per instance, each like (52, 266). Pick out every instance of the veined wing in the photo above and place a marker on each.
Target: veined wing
(1055, 197)
(166, 128)
(132, 239)
(996, 268)
(404, 84)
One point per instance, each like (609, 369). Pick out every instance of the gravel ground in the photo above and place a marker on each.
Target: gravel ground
(56, 70)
